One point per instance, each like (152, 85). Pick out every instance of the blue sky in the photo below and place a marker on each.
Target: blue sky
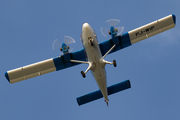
(27, 31)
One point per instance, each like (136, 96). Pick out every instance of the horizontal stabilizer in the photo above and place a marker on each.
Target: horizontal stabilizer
(97, 94)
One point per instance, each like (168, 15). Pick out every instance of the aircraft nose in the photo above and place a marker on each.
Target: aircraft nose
(86, 26)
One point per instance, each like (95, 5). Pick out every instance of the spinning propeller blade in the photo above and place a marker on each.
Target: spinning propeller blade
(68, 40)
(105, 31)
(58, 45)
(112, 22)
(120, 30)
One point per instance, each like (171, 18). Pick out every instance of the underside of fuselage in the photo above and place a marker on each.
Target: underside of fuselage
(91, 46)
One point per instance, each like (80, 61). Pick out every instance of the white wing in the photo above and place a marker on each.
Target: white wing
(152, 29)
(30, 71)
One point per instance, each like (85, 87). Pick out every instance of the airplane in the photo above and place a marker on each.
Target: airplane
(93, 54)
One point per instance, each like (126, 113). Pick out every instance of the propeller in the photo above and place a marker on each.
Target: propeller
(112, 23)
(64, 48)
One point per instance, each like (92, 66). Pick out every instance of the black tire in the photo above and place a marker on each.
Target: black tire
(114, 63)
(83, 74)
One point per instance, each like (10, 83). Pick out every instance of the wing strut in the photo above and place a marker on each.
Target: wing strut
(104, 62)
(109, 51)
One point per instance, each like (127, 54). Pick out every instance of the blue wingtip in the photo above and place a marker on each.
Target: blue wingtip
(7, 77)
(174, 18)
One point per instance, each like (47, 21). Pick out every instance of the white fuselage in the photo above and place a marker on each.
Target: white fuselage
(94, 56)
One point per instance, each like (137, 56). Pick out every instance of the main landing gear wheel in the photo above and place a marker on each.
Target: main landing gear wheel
(114, 63)
(83, 74)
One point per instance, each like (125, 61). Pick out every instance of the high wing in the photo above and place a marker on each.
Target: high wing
(62, 62)
(140, 34)
(46, 66)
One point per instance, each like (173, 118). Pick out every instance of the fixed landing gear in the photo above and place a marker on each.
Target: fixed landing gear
(91, 66)
(114, 63)
(83, 74)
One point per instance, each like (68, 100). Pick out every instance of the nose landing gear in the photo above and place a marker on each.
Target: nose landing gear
(91, 42)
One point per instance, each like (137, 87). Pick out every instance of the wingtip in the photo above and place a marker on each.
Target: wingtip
(7, 77)
(174, 18)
